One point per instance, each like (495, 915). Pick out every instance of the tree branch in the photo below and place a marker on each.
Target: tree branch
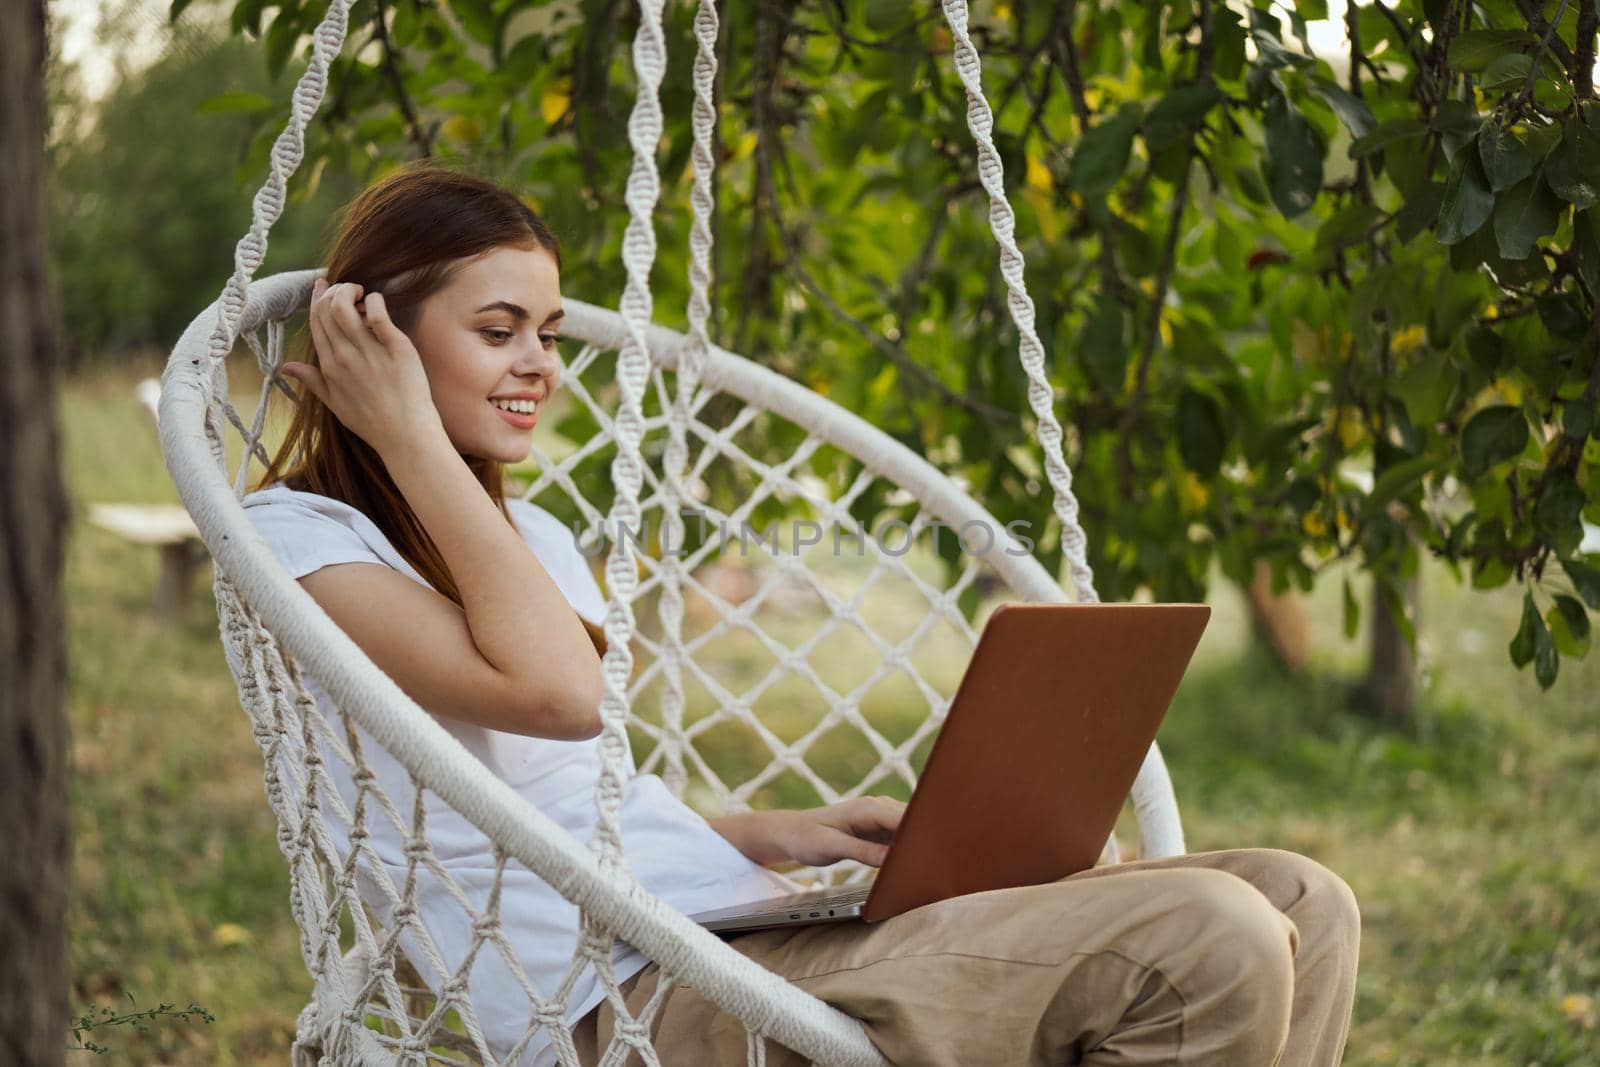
(1169, 253)
(1066, 48)
(391, 69)
(1582, 67)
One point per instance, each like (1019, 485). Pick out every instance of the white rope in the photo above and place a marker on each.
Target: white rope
(287, 152)
(675, 494)
(622, 575)
(1161, 834)
(1003, 222)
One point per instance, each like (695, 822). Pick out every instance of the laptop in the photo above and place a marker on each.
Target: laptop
(1031, 767)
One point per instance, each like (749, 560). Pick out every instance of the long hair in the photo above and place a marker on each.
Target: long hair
(402, 237)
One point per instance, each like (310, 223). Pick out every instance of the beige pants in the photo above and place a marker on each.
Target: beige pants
(1242, 958)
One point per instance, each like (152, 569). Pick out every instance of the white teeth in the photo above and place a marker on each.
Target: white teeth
(522, 407)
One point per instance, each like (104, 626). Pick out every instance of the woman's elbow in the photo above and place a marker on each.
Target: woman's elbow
(575, 716)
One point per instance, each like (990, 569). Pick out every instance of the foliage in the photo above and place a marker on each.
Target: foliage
(102, 1017)
(1302, 307)
(144, 191)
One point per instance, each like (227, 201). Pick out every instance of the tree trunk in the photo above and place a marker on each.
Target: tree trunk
(1390, 687)
(1278, 621)
(34, 1010)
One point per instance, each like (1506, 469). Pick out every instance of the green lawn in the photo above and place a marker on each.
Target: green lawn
(1470, 838)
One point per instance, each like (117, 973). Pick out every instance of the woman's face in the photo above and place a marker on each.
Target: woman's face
(488, 342)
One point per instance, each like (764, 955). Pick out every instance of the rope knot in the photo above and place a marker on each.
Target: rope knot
(413, 1046)
(633, 1031)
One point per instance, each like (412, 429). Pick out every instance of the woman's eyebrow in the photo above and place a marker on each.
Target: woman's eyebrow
(516, 311)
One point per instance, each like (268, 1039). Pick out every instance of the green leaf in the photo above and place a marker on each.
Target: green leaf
(1456, 116)
(1179, 111)
(1506, 72)
(1586, 240)
(1419, 212)
(1492, 436)
(1569, 626)
(281, 39)
(1102, 153)
(1468, 200)
(1573, 169)
(1228, 34)
(1577, 419)
(1564, 315)
(1103, 342)
(1474, 50)
(1546, 661)
(1293, 165)
(1302, 495)
(1556, 515)
(1352, 111)
(1398, 479)
(476, 17)
(1490, 574)
(1486, 348)
(1352, 612)
(1251, 187)
(1526, 640)
(1506, 160)
(1385, 133)
(232, 103)
(1270, 52)
(1585, 581)
(1524, 214)
(1202, 435)
(177, 9)
(1542, 139)
(246, 15)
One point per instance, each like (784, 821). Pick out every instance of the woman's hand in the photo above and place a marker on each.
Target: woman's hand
(368, 372)
(857, 829)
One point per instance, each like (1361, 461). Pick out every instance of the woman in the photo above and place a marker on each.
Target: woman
(433, 354)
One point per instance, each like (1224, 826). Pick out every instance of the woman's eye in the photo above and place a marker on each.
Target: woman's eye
(496, 337)
(550, 340)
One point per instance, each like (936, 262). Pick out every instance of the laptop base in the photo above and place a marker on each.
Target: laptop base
(813, 906)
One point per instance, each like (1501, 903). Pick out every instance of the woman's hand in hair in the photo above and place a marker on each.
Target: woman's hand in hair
(368, 372)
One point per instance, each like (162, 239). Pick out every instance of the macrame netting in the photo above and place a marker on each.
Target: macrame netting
(676, 427)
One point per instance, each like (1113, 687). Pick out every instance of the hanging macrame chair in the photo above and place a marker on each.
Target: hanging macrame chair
(368, 1005)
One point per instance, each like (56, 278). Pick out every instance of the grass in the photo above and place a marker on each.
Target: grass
(1469, 836)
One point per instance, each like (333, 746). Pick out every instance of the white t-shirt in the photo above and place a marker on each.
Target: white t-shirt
(671, 849)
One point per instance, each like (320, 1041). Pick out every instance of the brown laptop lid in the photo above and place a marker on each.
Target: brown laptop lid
(1042, 743)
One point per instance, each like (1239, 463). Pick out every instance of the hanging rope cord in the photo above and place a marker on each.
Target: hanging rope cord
(675, 493)
(1002, 220)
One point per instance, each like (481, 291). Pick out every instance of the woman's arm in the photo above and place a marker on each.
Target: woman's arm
(519, 619)
(515, 655)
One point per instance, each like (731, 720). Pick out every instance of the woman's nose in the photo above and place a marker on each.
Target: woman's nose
(541, 361)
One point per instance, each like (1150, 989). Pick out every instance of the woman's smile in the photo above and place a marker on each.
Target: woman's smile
(521, 420)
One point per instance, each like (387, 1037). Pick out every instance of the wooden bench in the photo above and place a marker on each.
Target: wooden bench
(166, 526)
